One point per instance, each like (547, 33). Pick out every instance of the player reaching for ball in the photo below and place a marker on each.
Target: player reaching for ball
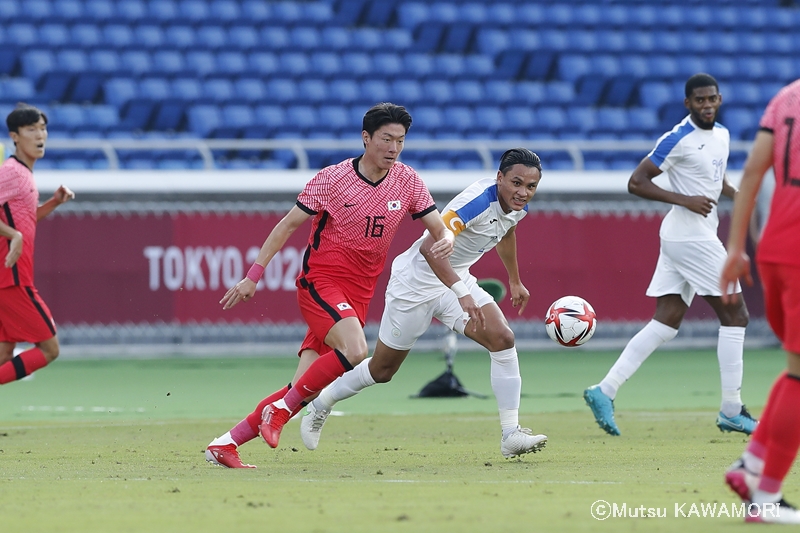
(423, 287)
(694, 155)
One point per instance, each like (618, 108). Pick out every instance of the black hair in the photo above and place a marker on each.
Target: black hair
(700, 80)
(385, 113)
(24, 115)
(519, 156)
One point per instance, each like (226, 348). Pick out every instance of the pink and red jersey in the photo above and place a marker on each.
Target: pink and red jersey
(781, 240)
(355, 221)
(19, 200)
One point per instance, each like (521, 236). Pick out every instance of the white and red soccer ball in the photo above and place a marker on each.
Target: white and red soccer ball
(570, 321)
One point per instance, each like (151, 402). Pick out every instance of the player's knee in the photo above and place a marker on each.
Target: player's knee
(356, 354)
(502, 339)
(50, 350)
(6, 353)
(382, 375)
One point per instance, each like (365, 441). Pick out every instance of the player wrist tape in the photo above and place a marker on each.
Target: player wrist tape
(255, 272)
(460, 288)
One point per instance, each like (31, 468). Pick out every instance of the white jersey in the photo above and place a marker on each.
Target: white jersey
(695, 161)
(478, 222)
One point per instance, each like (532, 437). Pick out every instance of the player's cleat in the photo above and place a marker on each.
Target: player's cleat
(743, 422)
(226, 456)
(520, 442)
(741, 481)
(272, 421)
(603, 409)
(311, 426)
(772, 513)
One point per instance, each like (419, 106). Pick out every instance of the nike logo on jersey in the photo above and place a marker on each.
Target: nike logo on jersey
(350, 205)
(700, 147)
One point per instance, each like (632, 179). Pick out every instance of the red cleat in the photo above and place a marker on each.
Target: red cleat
(226, 456)
(272, 422)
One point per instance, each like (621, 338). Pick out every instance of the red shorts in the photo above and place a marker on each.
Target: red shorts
(24, 317)
(323, 304)
(782, 302)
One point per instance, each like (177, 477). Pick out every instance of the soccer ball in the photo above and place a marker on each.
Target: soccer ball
(570, 321)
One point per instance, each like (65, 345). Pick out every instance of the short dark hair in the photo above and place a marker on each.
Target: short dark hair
(24, 115)
(700, 80)
(519, 156)
(385, 113)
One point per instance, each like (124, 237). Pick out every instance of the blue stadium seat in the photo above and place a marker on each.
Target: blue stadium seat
(780, 43)
(202, 62)
(242, 38)
(475, 13)
(85, 36)
(527, 13)
(271, 117)
(418, 65)
(742, 94)
(131, 11)
(457, 38)
(478, 66)
(530, 92)
(605, 65)
(491, 41)
(449, 65)
(559, 15)
(582, 119)
(104, 62)
(168, 63)
(262, 63)
(643, 120)
(551, 119)
(521, 120)
(590, 89)
(378, 14)
(662, 67)
(21, 34)
(187, 89)
(437, 91)
(621, 91)
(488, 120)
(118, 91)
(211, 37)
(387, 65)
(231, 64)
(249, 90)
(302, 118)
(408, 91)
(288, 11)
(357, 64)
(336, 38)
(312, 91)
(149, 36)
(72, 60)
(645, 16)
(238, 116)
(554, 40)
(99, 11)
(305, 38)
(427, 120)
(38, 10)
(458, 119)
(9, 9)
(411, 14)
(498, 92)
(740, 121)
(428, 37)
(68, 116)
(374, 91)
(397, 39)
(37, 62)
(101, 116)
(154, 89)
(344, 91)
(294, 64)
(274, 38)
(750, 67)
(136, 62)
(281, 90)
(256, 11)
(612, 41)
(54, 35)
(218, 90)
(202, 119)
(368, 39)
(572, 67)
(780, 69)
(180, 37)
(164, 11)
(559, 92)
(195, 11)
(581, 42)
(642, 42)
(443, 12)
(468, 92)
(589, 15)
(325, 64)
(136, 114)
(169, 115)
(335, 119)
(226, 11)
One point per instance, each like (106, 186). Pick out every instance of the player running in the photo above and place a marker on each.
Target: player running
(694, 155)
(357, 206)
(24, 317)
(424, 286)
(759, 474)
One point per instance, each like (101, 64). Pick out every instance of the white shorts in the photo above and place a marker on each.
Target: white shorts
(689, 268)
(406, 316)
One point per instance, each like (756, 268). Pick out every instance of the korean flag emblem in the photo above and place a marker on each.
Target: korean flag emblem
(344, 306)
(394, 205)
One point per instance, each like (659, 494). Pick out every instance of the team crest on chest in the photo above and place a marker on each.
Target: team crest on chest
(393, 205)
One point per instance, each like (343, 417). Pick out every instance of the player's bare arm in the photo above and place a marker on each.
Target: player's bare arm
(61, 196)
(728, 188)
(507, 250)
(737, 265)
(14, 246)
(641, 184)
(246, 288)
(444, 271)
(443, 237)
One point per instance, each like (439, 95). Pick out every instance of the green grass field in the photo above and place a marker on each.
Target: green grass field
(116, 446)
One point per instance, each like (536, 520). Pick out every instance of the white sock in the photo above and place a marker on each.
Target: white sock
(730, 348)
(639, 348)
(223, 440)
(507, 386)
(753, 464)
(760, 496)
(347, 385)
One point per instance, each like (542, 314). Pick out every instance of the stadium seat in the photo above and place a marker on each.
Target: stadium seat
(35, 63)
(262, 63)
(448, 65)
(409, 91)
(387, 65)
(498, 92)
(368, 39)
(218, 90)
(99, 11)
(356, 64)
(211, 38)
(337, 39)
(374, 91)
(478, 66)
(621, 91)
(187, 89)
(202, 62)
(312, 91)
(15, 90)
(195, 11)
(437, 91)
(457, 38)
(582, 119)
(168, 63)
(281, 90)
(491, 41)
(118, 36)
(118, 91)
(488, 120)
(428, 119)
(590, 90)
(242, 38)
(85, 36)
(154, 88)
(249, 90)
(237, 116)
(344, 91)
(256, 11)
(274, 38)
(202, 119)
(169, 115)
(226, 11)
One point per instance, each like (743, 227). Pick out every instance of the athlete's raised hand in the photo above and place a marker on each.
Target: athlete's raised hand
(242, 291)
(63, 194)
